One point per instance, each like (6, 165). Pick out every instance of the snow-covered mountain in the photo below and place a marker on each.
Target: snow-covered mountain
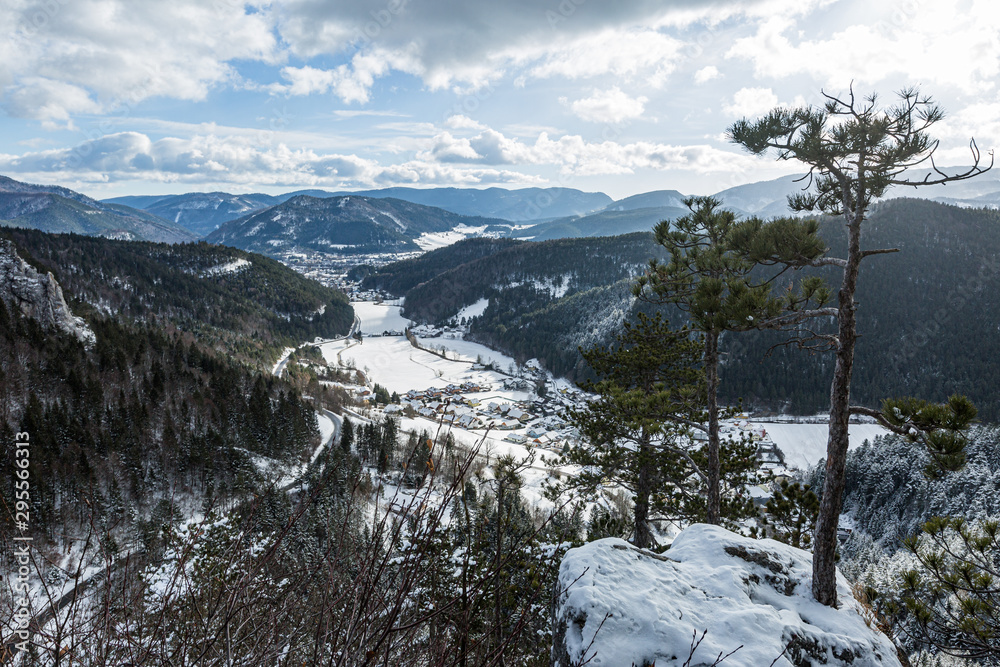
(523, 205)
(345, 225)
(56, 209)
(203, 212)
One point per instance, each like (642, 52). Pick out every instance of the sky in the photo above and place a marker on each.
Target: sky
(119, 97)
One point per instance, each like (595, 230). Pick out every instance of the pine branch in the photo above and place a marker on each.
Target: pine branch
(880, 418)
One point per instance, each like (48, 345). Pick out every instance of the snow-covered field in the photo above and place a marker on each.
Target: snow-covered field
(468, 351)
(398, 366)
(395, 364)
(805, 444)
(434, 240)
(474, 310)
(376, 318)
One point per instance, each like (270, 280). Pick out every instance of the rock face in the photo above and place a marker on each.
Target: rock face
(37, 296)
(616, 605)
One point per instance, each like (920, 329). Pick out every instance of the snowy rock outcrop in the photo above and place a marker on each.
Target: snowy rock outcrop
(619, 606)
(37, 296)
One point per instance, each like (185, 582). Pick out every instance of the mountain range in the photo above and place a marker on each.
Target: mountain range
(349, 224)
(393, 219)
(200, 212)
(60, 210)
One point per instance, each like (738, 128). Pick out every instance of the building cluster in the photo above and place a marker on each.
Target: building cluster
(470, 406)
(331, 269)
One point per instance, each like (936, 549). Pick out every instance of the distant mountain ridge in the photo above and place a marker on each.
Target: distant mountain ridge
(611, 222)
(551, 212)
(202, 212)
(56, 209)
(348, 224)
(654, 199)
(522, 205)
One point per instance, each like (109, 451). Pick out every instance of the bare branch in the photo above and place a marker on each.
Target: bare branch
(971, 172)
(789, 319)
(879, 251)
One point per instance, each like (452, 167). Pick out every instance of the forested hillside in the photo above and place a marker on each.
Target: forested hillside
(152, 412)
(928, 317)
(144, 419)
(540, 272)
(400, 277)
(890, 498)
(246, 304)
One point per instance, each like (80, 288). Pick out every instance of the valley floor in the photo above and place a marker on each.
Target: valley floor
(447, 361)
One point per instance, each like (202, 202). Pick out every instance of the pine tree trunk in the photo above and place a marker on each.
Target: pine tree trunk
(642, 535)
(824, 584)
(714, 502)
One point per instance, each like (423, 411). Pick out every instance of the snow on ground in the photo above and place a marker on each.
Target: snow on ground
(230, 267)
(434, 240)
(395, 364)
(279, 364)
(326, 431)
(376, 318)
(398, 366)
(284, 475)
(475, 310)
(624, 606)
(805, 444)
(468, 351)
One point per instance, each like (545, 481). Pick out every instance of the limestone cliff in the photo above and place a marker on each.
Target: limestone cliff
(37, 296)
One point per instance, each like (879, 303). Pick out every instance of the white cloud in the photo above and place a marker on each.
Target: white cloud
(461, 121)
(609, 106)
(85, 55)
(350, 82)
(706, 74)
(572, 154)
(751, 102)
(236, 161)
(944, 43)
(623, 53)
(979, 121)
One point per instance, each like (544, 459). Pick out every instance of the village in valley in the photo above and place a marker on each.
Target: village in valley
(430, 379)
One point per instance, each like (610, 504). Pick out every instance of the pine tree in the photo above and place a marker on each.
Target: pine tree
(711, 282)
(856, 150)
(346, 436)
(952, 597)
(791, 514)
(647, 384)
